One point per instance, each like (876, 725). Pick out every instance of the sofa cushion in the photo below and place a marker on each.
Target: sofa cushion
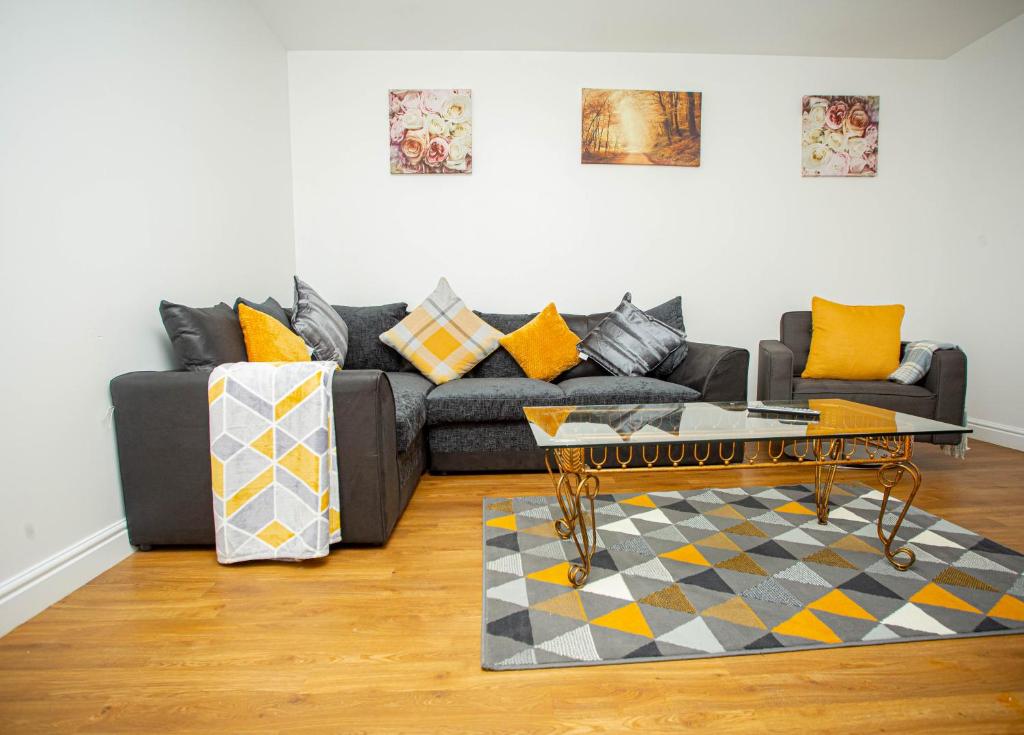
(410, 391)
(631, 342)
(365, 325)
(442, 337)
(270, 307)
(500, 364)
(544, 347)
(319, 324)
(609, 389)
(475, 400)
(204, 337)
(913, 399)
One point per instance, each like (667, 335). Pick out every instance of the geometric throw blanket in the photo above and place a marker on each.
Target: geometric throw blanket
(273, 460)
(731, 571)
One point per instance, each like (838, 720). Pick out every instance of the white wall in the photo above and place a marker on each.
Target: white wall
(145, 156)
(532, 224)
(985, 243)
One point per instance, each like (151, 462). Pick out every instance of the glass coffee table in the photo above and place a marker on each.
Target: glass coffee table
(582, 442)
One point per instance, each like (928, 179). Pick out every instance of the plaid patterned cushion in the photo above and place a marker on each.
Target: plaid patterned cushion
(442, 337)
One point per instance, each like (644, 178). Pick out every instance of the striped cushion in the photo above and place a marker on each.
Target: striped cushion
(442, 337)
(319, 325)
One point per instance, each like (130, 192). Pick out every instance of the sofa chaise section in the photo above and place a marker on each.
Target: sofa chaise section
(163, 442)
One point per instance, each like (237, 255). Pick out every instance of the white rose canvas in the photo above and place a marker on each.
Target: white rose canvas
(430, 131)
(839, 135)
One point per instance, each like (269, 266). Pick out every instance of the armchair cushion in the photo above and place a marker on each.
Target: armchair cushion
(912, 399)
(853, 342)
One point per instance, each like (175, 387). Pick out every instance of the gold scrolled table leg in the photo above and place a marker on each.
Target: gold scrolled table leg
(825, 475)
(890, 475)
(574, 484)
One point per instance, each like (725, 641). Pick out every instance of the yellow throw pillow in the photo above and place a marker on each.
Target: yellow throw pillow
(544, 347)
(853, 342)
(268, 340)
(442, 337)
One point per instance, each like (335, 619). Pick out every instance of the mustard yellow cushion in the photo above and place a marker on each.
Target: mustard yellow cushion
(268, 340)
(544, 347)
(853, 342)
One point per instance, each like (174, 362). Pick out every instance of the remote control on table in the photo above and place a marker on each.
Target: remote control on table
(786, 411)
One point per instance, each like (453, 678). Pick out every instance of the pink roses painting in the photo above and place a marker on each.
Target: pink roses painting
(431, 131)
(839, 136)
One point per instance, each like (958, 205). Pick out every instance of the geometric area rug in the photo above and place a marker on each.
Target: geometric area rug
(731, 571)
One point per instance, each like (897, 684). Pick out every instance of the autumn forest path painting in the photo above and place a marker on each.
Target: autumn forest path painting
(641, 127)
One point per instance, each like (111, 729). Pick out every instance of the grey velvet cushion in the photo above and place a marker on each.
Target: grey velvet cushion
(365, 325)
(319, 325)
(607, 389)
(410, 392)
(488, 399)
(630, 342)
(205, 337)
(270, 307)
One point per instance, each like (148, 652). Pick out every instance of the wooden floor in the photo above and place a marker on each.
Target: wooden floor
(388, 641)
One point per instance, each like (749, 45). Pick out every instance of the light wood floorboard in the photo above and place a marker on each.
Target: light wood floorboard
(388, 641)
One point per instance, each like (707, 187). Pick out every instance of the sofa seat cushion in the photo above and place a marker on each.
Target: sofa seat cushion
(410, 391)
(913, 399)
(606, 389)
(478, 400)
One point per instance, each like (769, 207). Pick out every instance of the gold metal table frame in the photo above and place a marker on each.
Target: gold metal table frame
(576, 470)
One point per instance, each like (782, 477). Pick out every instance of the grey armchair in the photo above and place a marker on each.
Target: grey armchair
(940, 395)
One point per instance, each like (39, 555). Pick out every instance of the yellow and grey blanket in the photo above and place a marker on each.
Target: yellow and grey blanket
(273, 460)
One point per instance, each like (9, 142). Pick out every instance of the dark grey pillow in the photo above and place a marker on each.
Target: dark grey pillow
(365, 325)
(270, 307)
(204, 338)
(319, 325)
(630, 342)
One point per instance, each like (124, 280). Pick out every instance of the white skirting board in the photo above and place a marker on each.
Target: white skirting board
(38, 587)
(1002, 434)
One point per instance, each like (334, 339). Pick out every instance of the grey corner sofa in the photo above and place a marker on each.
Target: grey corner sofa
(940, 395)
(391, 424)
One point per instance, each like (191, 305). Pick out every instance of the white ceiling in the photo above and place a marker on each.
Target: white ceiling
(917, 29)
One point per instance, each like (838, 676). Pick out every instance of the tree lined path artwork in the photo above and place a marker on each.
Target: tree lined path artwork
(629, 126)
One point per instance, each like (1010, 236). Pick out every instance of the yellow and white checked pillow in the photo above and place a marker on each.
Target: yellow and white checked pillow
(442, 337)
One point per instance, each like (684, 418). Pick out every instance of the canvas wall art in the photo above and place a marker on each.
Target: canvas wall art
(643, 127)
(840, 136)
(431, 131)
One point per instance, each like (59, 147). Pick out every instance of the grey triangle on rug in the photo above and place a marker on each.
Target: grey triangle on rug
(724, 571)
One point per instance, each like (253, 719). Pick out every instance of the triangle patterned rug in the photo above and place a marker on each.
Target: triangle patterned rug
(727, 571)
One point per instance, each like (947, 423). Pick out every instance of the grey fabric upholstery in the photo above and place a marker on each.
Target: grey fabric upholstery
(410, 392)
(488, 399)
(615, 389)
(795, 333)
(912, 399)
(269, 306)
(774, 370)
(500, 364)
(716, 372)
(940, 395)
(365, 325)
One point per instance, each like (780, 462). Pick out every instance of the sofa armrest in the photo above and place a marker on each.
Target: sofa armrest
(774, 371)
(947, 379)
(364, 419)
(717, 372)
(163, 440)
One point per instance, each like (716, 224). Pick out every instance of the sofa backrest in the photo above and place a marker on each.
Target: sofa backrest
(501, 364)
(795, 333)
(365, 325)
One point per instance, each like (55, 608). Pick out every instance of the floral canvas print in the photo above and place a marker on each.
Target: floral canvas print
(840, 136)
(641, 127)
(431, 131)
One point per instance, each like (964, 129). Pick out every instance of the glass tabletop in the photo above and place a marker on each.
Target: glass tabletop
(665, 423)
